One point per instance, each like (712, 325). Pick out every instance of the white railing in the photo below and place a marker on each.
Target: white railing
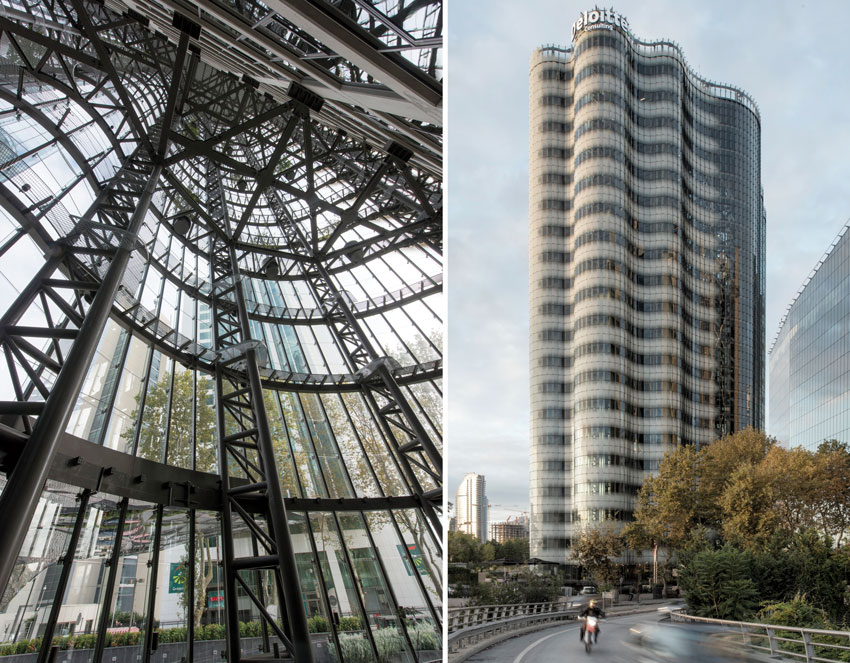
(790, 642)
(475, 628)
(460, 618)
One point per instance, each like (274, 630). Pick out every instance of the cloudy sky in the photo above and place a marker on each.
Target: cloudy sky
(792, 57)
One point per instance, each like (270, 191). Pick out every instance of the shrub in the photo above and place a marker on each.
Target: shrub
(178, 634)
(349, 624)
(796, 612)
(388, 641)
(355, 649)
(27, 646)
(61, 641)
(210, 632)
(84, 641)
(424, 637)
(250, 629)
(318, 624)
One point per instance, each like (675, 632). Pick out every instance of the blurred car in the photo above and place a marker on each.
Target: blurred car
(589, 590)
(671, 641)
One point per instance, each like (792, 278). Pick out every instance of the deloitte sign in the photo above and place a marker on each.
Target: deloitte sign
(600, 19)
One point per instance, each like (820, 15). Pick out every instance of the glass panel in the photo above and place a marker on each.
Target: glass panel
(381, 609)
(170, 606)
(26, 603)
(323, 440)
(342, 593)
(82, 603)
(404, 561)
(155, 415)
(121, 431)
(208, 609)
(128, 609)
(181, 421)
(383, 462)
(280, 442)
(206, 440)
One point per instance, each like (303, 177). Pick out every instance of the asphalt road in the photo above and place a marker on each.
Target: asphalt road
(560, 644)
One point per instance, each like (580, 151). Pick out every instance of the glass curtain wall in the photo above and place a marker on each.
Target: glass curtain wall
(173, 142)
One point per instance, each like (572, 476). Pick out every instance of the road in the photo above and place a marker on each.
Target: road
(560, 644)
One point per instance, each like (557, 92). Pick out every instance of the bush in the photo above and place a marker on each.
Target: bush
(717, 584)
(250, 629)
(84, 641)
(127, 639)
(796, 612)
(210, 632)
(61, 641)
(318, 624)
(349, 624)
(179, 634)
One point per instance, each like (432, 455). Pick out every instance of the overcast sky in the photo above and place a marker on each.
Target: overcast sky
(792, 57)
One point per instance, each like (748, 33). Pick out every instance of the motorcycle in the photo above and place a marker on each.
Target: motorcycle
(589, 631)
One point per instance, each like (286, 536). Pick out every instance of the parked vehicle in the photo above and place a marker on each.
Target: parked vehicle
(589, 589)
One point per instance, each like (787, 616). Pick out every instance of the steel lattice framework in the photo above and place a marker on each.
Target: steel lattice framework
(238, 212)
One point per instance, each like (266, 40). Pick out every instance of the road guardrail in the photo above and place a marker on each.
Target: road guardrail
(475, 628)
(794, 643)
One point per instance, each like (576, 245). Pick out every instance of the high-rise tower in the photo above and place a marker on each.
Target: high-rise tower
(471, 506)
(647, 271)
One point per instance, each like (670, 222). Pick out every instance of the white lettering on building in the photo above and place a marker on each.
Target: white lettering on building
(600, 19)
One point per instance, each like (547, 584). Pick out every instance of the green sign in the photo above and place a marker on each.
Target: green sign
(177, 578)
(418, 562)
(215, 599)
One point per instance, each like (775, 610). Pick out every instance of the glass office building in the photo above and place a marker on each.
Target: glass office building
(220, 320)
(647, 271)
(810, 357)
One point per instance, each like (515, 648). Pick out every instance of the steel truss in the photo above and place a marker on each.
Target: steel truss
(265, 181)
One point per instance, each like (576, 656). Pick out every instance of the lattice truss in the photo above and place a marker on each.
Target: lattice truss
(275, 171)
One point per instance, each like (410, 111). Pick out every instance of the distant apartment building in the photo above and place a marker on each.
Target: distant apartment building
(512, 528)
(810, 357)
(471, 506)
(647, 256)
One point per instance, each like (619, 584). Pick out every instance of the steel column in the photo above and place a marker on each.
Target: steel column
(153, 562)
(278, 521)
(230, 607)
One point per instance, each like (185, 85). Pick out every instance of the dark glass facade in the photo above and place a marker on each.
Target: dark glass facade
(647, 272)
(810, 357)
(220, 323)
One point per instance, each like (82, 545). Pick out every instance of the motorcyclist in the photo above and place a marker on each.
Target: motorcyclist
(594, 611)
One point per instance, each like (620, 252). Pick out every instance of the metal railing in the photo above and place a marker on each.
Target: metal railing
(460, 618)
(791, 642)
(475, 628)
